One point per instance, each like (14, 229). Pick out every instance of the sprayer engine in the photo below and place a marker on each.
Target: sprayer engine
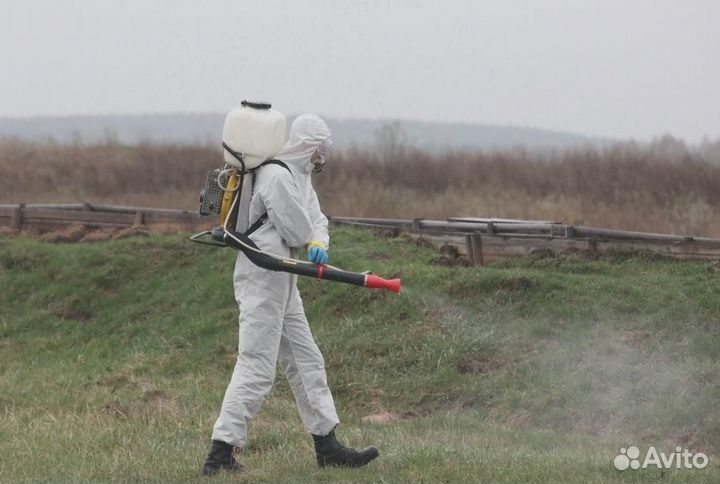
(211, 195)
(218, 194)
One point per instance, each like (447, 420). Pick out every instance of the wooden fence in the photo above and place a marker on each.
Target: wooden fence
(91, 215)
(486, 240)
(476, 240)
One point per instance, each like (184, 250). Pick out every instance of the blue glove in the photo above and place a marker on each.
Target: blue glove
(317, 254)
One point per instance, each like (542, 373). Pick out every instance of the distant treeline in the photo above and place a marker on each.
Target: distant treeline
(198, 128)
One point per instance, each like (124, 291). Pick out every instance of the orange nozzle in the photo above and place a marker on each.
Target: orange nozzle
(375, 282)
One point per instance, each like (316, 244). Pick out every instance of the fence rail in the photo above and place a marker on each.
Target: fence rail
(19, 216)
(475, 240)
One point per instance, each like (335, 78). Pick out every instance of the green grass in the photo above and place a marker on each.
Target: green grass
(114, 358)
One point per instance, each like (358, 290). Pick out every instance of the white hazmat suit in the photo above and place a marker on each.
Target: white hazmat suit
(273, 327)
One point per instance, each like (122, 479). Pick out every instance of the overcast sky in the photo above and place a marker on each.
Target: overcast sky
(625, 68)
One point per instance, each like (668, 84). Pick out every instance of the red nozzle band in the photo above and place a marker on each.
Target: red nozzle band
(375, 282)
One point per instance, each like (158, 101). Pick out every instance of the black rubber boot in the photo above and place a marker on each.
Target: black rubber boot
(220, 458)
(329, 452)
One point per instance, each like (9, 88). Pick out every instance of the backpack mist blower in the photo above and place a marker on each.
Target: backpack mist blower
(252, 134)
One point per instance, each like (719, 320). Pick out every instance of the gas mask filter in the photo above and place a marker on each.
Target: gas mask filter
(319, 158)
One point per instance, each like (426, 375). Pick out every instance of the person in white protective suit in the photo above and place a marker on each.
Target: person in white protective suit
(273, 327)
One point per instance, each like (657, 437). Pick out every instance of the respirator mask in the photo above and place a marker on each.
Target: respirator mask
(319, 158)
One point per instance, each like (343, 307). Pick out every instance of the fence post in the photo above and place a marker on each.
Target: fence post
(416, 225)
(473, 243)
(139, 218)
(17, 217)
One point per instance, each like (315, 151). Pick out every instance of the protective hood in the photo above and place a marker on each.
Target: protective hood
(308, 133)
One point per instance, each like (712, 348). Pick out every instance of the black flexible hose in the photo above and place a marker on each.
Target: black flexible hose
(269, 262)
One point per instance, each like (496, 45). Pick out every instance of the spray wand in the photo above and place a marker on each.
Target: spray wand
(302, 268)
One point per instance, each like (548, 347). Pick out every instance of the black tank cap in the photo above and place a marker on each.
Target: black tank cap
(255, 105)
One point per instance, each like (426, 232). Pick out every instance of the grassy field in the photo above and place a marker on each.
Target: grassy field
(114, 357)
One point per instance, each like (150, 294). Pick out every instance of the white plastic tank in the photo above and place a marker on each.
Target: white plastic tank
(254, 130)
